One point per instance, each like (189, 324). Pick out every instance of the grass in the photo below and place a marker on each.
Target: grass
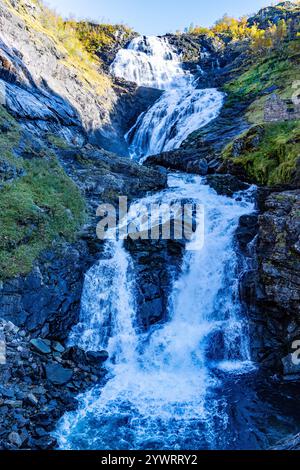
(37, 208)
(274, 160)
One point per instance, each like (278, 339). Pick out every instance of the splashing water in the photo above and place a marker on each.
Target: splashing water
(156, 397)
(176, 386)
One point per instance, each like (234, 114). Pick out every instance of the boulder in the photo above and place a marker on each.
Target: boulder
(226, 185)
(40, 345)
(97, 357)
(57, 374)
(15, 439)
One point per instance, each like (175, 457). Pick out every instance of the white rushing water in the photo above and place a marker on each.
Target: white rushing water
(150, 61)
(156, 395)
(158, 392)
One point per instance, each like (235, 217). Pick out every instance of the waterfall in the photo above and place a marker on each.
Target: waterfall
(181, 109)
(156, 397)
(163, 387)
(149, 61)
(107, 307)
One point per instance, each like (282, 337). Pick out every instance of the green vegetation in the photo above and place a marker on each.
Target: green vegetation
(57, 141)
(37, 208)
(278, 70)
(95, 37)
(273, 160)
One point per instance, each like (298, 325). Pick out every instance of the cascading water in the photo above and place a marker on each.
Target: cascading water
(156, 397)
(150, 61)
(187, 384)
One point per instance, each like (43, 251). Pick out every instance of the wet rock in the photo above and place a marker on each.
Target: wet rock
(190, 161)
(226, 185)
(45, 443)
(291, 443)
(41, 346)
(97, 357)
(247, 230)
(58, 347)
(31, 399)
(156, 263)
(57, 374)
(274, 295)
(76, 354)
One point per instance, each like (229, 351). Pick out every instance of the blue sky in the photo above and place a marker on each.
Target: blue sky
(156, 16)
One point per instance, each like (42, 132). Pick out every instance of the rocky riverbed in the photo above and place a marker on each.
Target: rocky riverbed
(40, 380)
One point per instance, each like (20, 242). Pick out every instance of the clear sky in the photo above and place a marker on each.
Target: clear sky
(156, 16)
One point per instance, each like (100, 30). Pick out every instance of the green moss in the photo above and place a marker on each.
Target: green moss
(57, 141)
(41, 206)
(274, 160)
(9, 136)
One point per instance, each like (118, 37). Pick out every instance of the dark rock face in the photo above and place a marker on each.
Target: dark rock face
(47, 95)
(104, 176)
(282, 11)
(47, 301)
(273, 288)
(156, 265)
(211, 55)
(292, 443)
(226, 185)
(38, 387)
(131, 102)
(120, 38)
(189, 161)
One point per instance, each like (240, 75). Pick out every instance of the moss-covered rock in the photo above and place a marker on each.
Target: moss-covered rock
(266, 154)
(39, 202)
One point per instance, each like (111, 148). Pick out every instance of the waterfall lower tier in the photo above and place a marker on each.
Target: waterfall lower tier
(157, 396)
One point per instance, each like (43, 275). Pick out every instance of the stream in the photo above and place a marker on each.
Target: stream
(188, 383)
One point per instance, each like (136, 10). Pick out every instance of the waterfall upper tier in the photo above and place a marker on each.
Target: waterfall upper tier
(182, 109)
(149, 61)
